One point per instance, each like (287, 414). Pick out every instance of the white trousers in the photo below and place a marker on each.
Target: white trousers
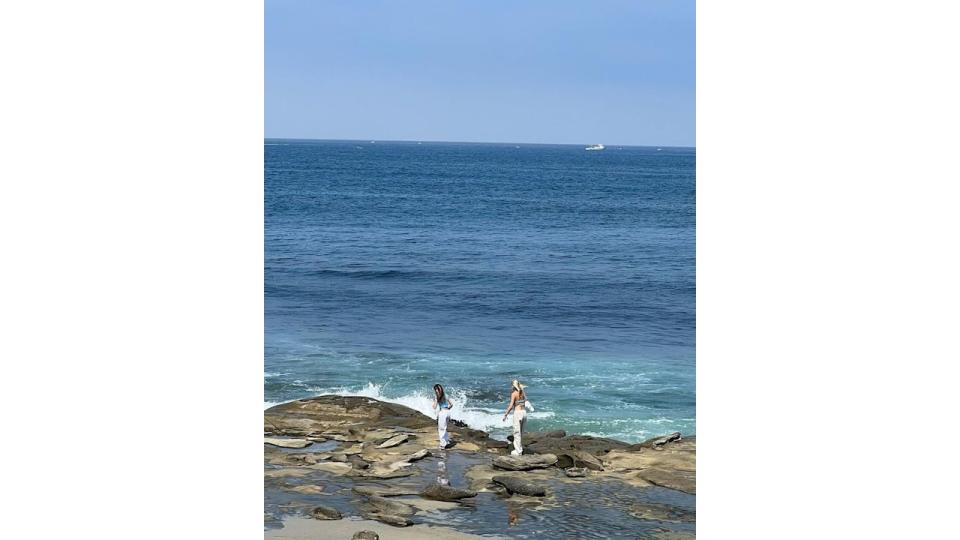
(519, 419)
(442, 417)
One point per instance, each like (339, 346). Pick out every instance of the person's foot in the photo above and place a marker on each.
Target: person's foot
(514, 453)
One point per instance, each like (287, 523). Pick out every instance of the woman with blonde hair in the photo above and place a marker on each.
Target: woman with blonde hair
(518, 402)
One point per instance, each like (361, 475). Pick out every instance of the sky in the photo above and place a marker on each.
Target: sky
(525, 71)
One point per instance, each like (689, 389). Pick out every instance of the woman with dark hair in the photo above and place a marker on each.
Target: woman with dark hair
(443, 405)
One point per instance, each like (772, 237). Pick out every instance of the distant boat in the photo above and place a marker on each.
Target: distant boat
(595, 147)
(659, 149)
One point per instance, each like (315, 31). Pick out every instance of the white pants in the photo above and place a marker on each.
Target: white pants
(442, 417)
(519, 419)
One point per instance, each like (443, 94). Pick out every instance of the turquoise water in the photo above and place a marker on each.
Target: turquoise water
(391, 266)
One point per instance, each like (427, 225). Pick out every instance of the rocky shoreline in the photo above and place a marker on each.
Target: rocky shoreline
(336, 458)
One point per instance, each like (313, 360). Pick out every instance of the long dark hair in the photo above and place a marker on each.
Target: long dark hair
(438, 391)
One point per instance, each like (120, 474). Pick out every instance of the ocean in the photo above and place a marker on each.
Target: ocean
(391, 266)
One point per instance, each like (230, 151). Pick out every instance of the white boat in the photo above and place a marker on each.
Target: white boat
(595, 147)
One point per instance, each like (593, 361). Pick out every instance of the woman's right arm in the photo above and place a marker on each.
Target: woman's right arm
(513, 400)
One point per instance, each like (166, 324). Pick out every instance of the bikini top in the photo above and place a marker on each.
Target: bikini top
(444, 404)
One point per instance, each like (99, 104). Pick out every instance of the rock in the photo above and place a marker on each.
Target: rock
(587, 460)
(365, 535)
(325, 512)
(383, 474)
(578, 458)
(662, 512)
(287, 472)
(685, 481)
(416, 456)
(384, 492)
(531, 437)
(596, 446)
(575, 472)
(335, 468)
(389, 519)
(287, 443)
(519, 485)
(308, 489)
(387, 511)
(394, 441)
(656, 443)
(357, 462)
(498, 444)
(524, 463)
(440, 492)
(386, 506)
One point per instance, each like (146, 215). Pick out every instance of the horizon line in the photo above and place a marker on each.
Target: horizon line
(468, 142)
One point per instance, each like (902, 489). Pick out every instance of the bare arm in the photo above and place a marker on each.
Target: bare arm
(513, 401)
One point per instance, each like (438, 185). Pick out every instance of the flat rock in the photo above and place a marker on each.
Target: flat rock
(520, 486)
(287, 472)
(596, 446)
(335, 468)
(394, 441)
(325, 512)
(365, 535)
(524, 462)
(416, 456)
(308, 489)
(440, 492)
(287, 443)
(530, 437)
(389, 519)
(384, 492)
(684, 481)
(575, 472)
(657, 443)
(387, 506)
(383, 474)
(662, 512)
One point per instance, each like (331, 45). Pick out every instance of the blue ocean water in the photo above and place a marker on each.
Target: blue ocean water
(390, 266)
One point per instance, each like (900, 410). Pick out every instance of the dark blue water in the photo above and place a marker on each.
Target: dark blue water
(391, 266)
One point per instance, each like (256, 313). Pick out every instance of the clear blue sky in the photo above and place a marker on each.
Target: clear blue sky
(614, 72)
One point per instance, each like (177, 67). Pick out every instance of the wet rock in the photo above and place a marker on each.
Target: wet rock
(308, 489)
(387, 511)
(384, 492)
(416, 456)
(335, 468)
(382, 474)
(365, 535)
(357, 462)
(287, 472)
(394, 441)
(498, 444)
(531, 437)
(515, 484)
(575, 472)
(389, 519)
(662, 512)
(325, 512)
(587, 460)
(685, 481)
(386, 506)
(287, 443)
(440, 492)
(596, 446)
(524, 462)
